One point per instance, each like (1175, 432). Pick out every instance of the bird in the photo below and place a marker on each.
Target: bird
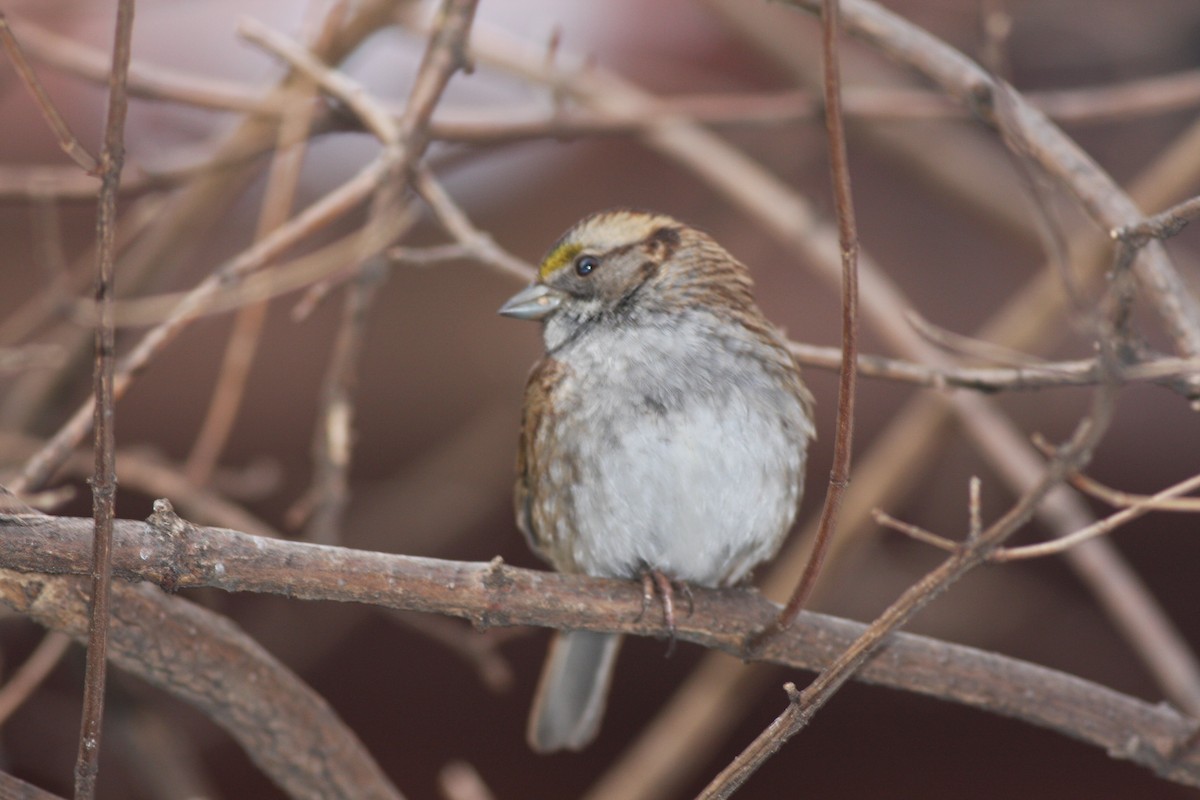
(663, 435)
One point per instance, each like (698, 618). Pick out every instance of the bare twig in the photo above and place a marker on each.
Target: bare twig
(472, 241)
(461, 781)
(1154, 502)
(1119, 499)
(1160, 226)
(1043, 375)
(333, 205)
(968, 345)
(373, 115)
(333, 439)
(839, 477)
(35, 669)
(66, 139)
(404, 143)
(104, 479)
(974, 512)
(17, 789)
(915, 531)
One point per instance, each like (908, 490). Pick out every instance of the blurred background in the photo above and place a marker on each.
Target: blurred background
(942, 207)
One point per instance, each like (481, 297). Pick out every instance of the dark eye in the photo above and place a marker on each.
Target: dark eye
(585, 264)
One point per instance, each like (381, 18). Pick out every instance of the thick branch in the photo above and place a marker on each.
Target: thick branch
(202, 657)
(176, 554)
(284, 726)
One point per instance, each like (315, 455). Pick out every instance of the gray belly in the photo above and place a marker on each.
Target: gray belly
(701, 493)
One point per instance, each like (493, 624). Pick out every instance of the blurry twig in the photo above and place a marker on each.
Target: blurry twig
(14, 787)
(1160, 226)
(404, 143)
(1040, 375)
(968, 345)
(66, 139)
(472, 241)
(374, 117)
(461, 781)
(35, 669)
(331, 206)
(283, 178)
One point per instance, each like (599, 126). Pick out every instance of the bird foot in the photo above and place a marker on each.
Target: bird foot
(655, 582)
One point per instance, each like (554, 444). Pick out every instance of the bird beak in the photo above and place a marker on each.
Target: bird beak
(534, 302)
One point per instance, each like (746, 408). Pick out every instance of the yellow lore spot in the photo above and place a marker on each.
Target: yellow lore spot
(559, 257)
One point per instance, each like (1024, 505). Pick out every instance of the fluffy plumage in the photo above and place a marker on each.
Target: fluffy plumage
(665, 429)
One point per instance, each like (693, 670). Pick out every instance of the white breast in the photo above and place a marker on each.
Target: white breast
(692, 467)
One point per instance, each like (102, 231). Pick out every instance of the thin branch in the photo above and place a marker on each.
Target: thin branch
(1119, 499)
(17, 789)
(404, 143)
(373, 115)
(839, 476)
(472, 241)
(333, 438)
(33, 670)
(1160, 226)
(67, 140)
(1137, 509)
(104, 479)
(916, 532)
(1043, 375)
(968, 345)
(175, 554)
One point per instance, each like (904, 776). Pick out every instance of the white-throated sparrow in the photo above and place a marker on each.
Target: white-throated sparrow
(664, 431)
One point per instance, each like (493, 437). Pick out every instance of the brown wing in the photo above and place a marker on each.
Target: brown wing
(536, 413)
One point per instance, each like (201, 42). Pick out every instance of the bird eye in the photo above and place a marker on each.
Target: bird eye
(585, 264)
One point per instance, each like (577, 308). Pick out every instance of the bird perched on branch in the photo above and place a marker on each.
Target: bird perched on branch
(663, 433)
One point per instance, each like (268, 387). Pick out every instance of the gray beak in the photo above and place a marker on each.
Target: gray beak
(534, 302)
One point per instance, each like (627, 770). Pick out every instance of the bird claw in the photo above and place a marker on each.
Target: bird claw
(655, 582)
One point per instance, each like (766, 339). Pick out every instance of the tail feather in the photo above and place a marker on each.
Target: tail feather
(573, 691)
